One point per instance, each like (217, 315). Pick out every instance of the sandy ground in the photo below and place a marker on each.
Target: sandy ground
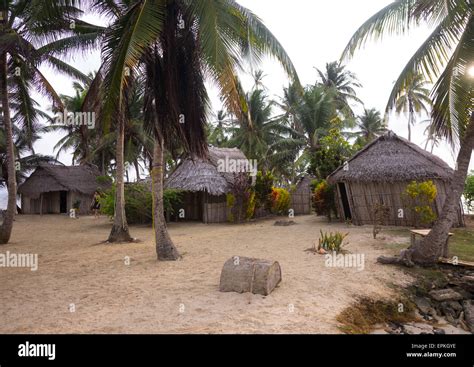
(147, 296)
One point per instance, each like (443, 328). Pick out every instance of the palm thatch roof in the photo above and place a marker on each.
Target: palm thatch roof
(391, 158)
(203, 175)
(47, 178)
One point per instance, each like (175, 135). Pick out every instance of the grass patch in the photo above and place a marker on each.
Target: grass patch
(362, 316)
(425, 279)
(462, 244)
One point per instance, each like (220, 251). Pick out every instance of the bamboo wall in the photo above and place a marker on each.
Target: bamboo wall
(214, 209)
(300, 202)
(51, 203)
(363, 197)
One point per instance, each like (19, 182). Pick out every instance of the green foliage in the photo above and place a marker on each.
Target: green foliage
(139, 202)
(241, 200)
(280, 201)
(332, 152)
(331, 241)
(469, 191)
(104, 180)
(263, 190)
(419, 197)
(324, 202)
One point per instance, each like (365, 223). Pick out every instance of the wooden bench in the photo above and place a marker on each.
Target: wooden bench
(424, 233)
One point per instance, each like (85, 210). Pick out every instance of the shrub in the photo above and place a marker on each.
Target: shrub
(469, 191)
(241, 199)
(104, 180)
(323, 199)
(263, 190)
(280, 201)
(419, 197)
(332, 241)
(381, 216)
(139, 202)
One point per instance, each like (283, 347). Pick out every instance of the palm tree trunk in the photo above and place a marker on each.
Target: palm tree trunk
(165, 248)
(7, 225)
(411, 114)
(429, 250)
(119, 232)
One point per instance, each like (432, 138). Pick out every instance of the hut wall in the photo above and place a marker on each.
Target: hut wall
(215, 209)
(365, 195)
(85, 199)
(300, 202)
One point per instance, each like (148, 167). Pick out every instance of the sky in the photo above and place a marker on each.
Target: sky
(313, 32)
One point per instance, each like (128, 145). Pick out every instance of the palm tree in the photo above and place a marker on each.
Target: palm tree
(26, 27)
(413, 99)
(176, 44)
(444, 58)
(344, 82)
(370, 125)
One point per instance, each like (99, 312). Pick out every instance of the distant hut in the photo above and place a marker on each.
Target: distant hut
(380, 172)
(206, 187)
(301, 195)
(53, 189)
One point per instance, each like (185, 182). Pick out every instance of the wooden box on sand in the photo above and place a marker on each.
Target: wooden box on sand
(243, 274)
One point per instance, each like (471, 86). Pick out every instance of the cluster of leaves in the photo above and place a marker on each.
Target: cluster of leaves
(139, 202)
(333, 150)
(331, 241)
(324, 202)
(280, 201)
(469, 191)
(419, 197)
(241, 199)
(263, 190)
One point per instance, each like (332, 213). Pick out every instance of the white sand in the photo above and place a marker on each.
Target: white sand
(181, 297)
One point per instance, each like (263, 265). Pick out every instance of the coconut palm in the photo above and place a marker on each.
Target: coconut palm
(444, 58)
(26, 27)
(370, 125)
(413, 99)
(344, 82)
(176, 44)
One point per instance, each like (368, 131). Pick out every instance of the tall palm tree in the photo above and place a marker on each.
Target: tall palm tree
(344, 82)
(444, 58)
(370, 125)
(177, 43)
(28, 30)
(413, 99)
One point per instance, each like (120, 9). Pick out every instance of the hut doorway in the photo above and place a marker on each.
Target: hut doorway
(63, 201)
(345, 201)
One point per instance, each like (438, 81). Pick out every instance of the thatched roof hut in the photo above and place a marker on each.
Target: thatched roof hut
(301, 195)
(206, 184)
(55, 188)
(202, 175)
(380, 172)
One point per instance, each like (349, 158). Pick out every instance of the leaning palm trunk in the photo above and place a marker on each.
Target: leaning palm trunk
(165, 248)
(429, 250)
(119, 232)
(7, 225)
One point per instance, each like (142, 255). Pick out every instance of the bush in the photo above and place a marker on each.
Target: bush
(332, 241)
(280, 201)
(139, 203)
(263, 190)
(469, 191)
(241, 199)
(419, 196)
(323, 199)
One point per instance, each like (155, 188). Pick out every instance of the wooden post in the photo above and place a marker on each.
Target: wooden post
(41, 204)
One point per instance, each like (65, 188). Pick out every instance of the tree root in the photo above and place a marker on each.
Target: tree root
(404, 259)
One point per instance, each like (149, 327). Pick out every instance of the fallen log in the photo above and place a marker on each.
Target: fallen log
(243, 274)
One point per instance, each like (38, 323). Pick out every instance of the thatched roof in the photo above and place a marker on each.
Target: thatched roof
(202, 174)
(391, 158)
(48, 178)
